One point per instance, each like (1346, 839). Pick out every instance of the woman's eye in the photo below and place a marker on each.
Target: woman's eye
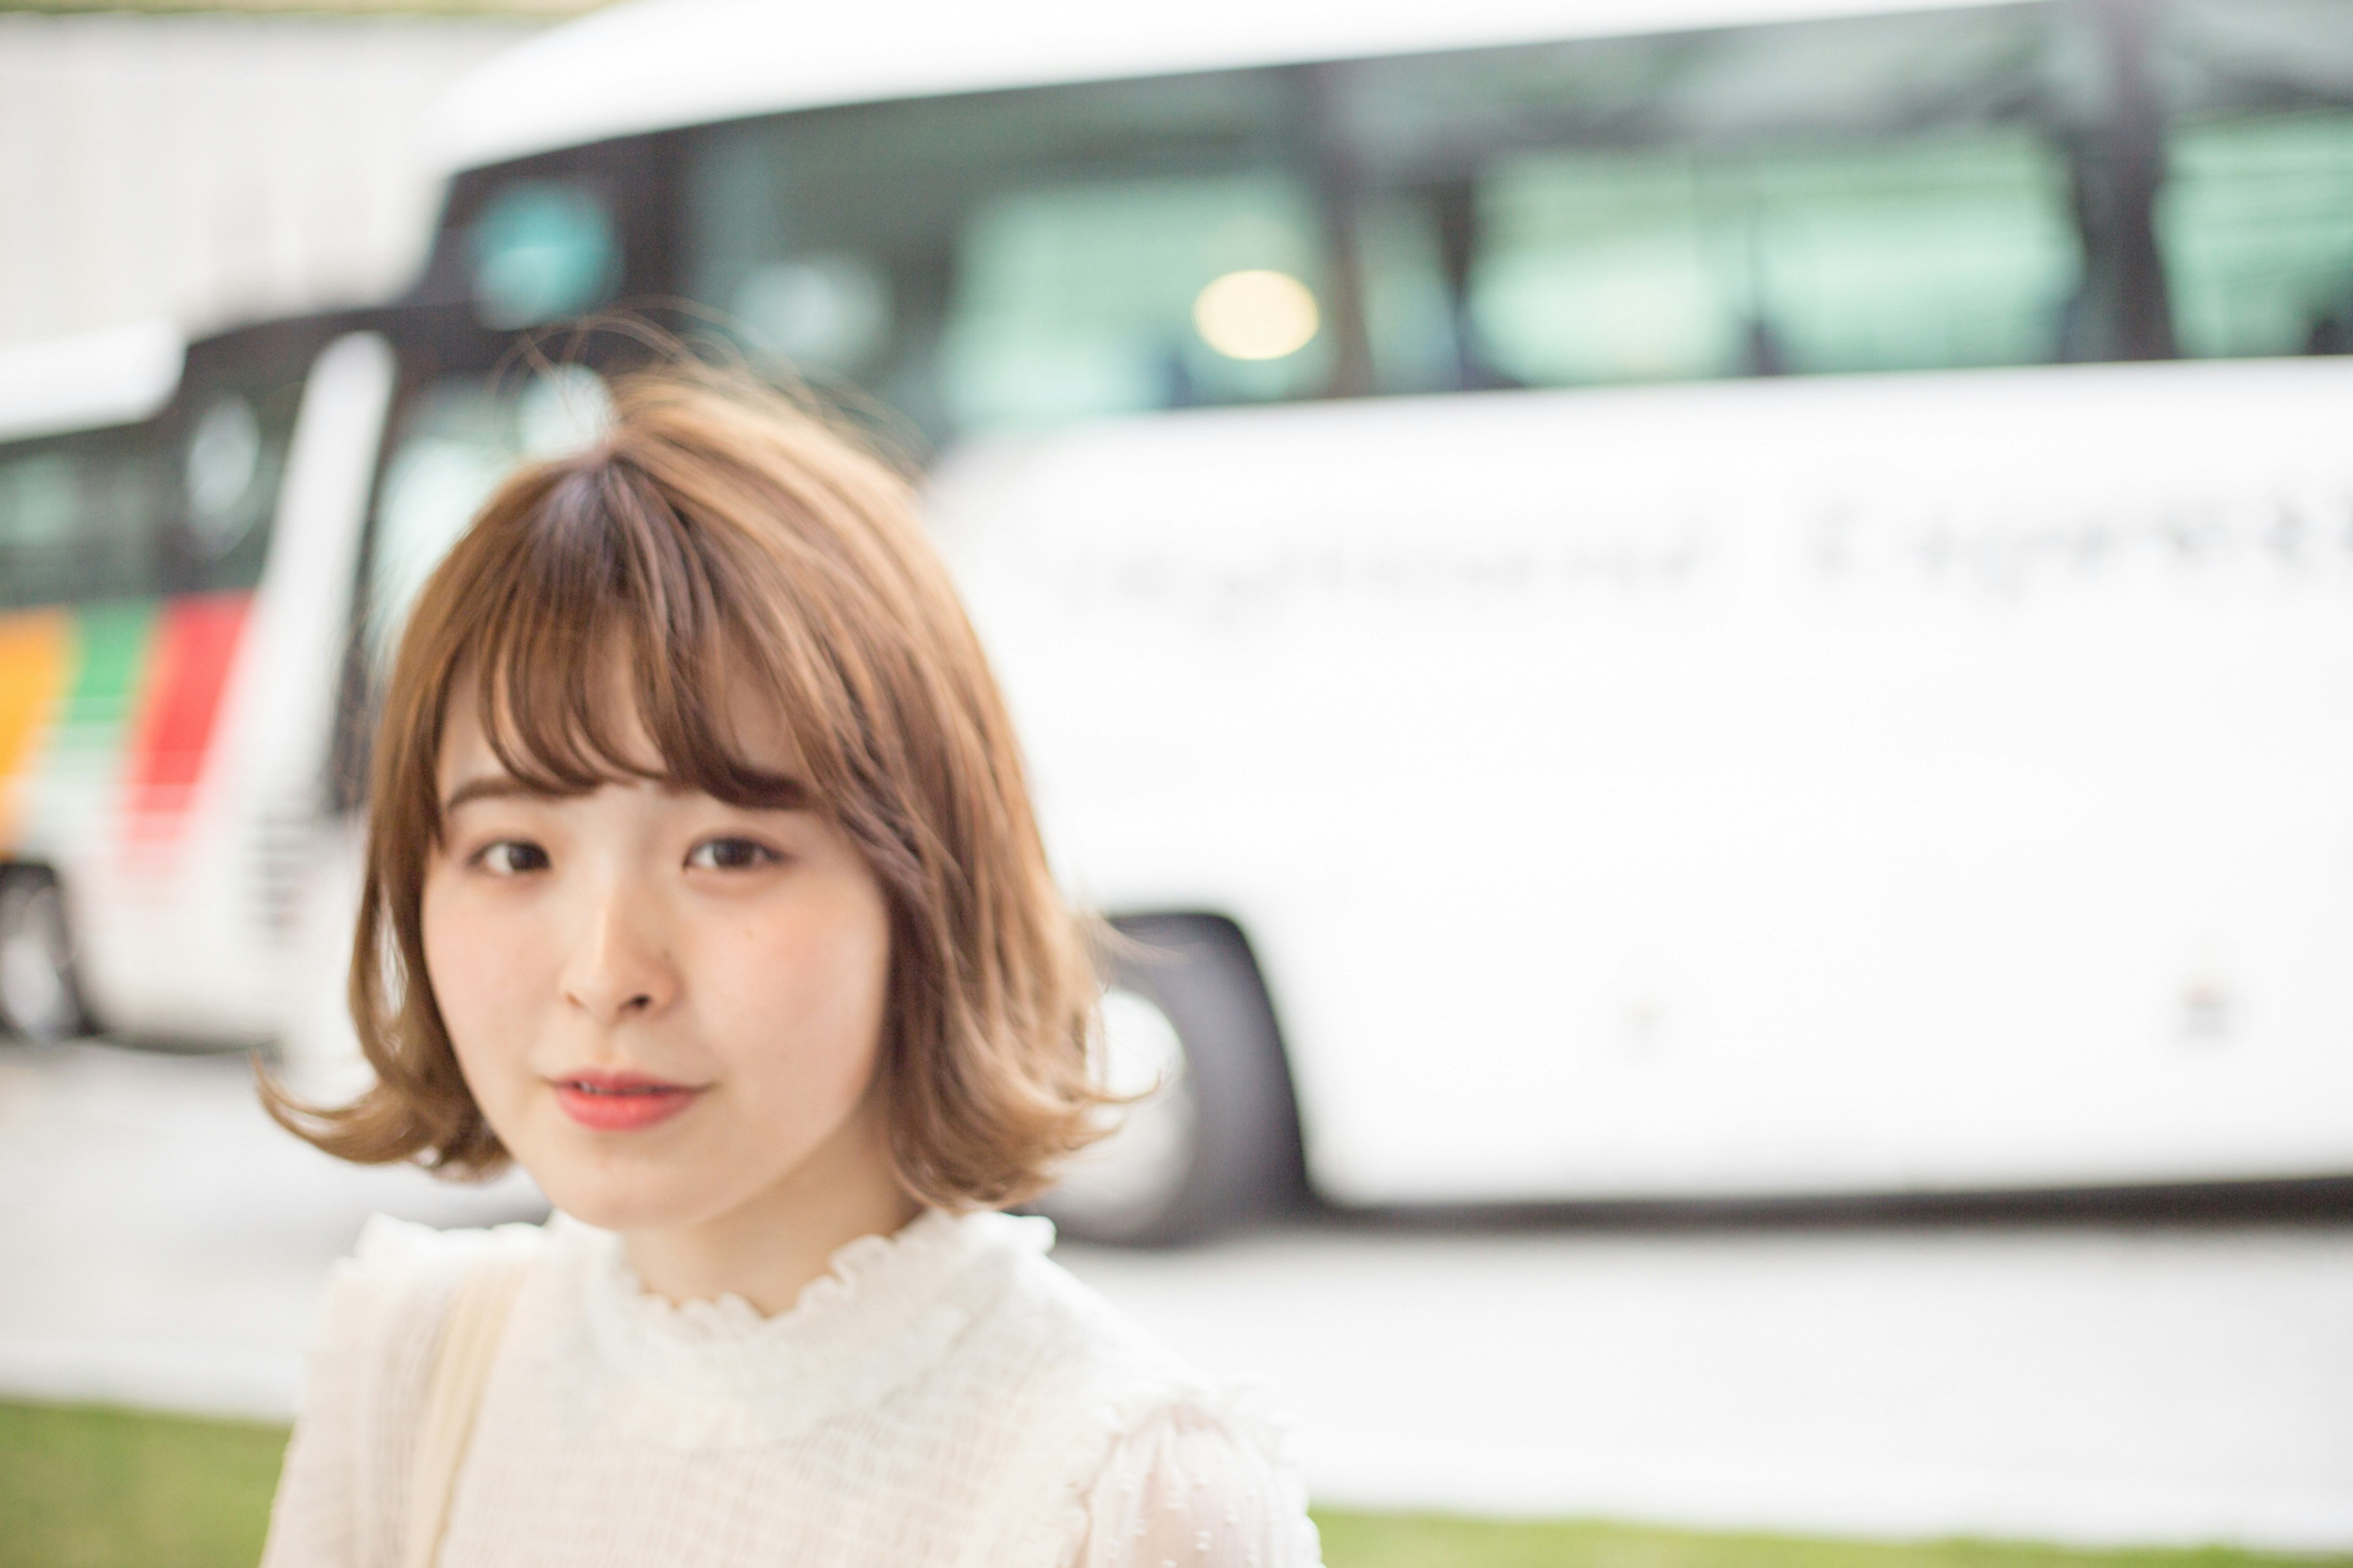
(730, 855)
(512, 856)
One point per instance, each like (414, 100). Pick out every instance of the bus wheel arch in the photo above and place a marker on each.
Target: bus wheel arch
(41, 996)
(1185, 1004)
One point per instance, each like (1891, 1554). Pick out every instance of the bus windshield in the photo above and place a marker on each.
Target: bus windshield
(181, 505)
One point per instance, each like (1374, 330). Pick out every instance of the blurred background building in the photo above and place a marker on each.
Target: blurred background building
(220, 163)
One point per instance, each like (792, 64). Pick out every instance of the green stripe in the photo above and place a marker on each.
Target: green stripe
(110, 645)
(73, 797)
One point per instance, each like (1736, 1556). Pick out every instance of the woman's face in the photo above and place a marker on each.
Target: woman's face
(669, 1008)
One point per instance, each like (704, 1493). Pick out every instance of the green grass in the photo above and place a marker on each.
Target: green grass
(111, 1489)
(1426, 1541)
(117, 1488)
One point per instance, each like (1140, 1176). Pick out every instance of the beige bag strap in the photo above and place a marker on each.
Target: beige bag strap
(461, 1370)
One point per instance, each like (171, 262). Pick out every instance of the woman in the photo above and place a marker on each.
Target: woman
(703, 881)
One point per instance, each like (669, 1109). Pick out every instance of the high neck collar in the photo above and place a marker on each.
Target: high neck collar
(717, 1372)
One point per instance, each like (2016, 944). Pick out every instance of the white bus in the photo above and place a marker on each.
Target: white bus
(1642, 598)
(179, 525)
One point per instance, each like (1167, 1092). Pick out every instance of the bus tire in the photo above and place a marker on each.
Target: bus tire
(39, 999)
(1218, 1145)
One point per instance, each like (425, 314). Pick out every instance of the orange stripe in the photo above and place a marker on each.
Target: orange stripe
(32, 674)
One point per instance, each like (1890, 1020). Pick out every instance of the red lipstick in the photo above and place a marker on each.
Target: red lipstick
(619, 1101)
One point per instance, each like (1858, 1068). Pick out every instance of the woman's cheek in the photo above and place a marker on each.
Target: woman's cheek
(803, 991)
(472, 963)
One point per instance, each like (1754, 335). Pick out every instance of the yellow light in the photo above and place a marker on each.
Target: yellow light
(1256, 315)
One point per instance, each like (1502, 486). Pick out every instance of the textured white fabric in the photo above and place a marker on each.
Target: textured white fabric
(947, 1395)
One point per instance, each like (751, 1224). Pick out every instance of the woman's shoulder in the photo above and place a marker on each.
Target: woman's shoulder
(1131, 1383)
(400, 1263)
(389, 1248)
(371, 1357)
(384, 1303)
(1064, 1336)
(1135, 1430)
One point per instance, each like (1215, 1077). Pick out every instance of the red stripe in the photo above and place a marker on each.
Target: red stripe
(195, 644)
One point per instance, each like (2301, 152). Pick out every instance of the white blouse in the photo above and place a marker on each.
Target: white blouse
(943, 1395)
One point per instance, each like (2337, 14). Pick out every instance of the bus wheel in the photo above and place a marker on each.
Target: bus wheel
(1217, 1142)
(39, 998)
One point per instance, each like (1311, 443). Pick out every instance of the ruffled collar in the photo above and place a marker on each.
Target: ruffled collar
(717, 1372)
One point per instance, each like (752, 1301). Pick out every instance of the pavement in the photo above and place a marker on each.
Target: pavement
(165, 1243)
(165, 1246)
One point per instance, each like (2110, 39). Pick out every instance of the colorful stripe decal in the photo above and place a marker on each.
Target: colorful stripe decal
(108, 714)
(110, 655)
(75, 798)
(33, 660)
(193, 648)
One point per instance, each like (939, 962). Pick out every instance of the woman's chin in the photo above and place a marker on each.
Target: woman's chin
(593, 1198)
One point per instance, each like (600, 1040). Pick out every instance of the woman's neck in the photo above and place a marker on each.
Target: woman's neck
(767, 1250)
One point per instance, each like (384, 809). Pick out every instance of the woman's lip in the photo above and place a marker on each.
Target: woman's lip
(592, 1100)
(614, 1081)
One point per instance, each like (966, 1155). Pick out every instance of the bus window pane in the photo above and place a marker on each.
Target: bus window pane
(2257, 225)
(1595, 269)
(1938, 254)
(1014, 257)
(1106, 299)
(455, 446)
(230, 468)
(40, 508)
(79, 519)
(1886, 193)
(1647, 268)
(1409, 326)
(452, 448)
(543, 249)
(2255, 216)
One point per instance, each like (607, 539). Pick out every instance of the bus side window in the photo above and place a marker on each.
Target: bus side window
(1936, 255)
(451, 449)
(78, 518)
(1023, 257)
(452, 446)
(543, 249)
(2255, 216)
(1122, 295)
(2257, 224)
(1665, 209)
(40, 495)
(235, 434)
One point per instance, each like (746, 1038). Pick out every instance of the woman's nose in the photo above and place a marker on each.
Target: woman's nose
(620, 967)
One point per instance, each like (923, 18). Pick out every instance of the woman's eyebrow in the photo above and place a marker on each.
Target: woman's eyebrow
(488, 786)
(777, 792)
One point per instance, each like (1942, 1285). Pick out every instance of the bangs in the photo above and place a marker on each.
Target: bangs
(607, 623)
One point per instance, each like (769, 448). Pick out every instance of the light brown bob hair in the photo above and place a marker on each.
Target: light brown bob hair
(725, 539)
